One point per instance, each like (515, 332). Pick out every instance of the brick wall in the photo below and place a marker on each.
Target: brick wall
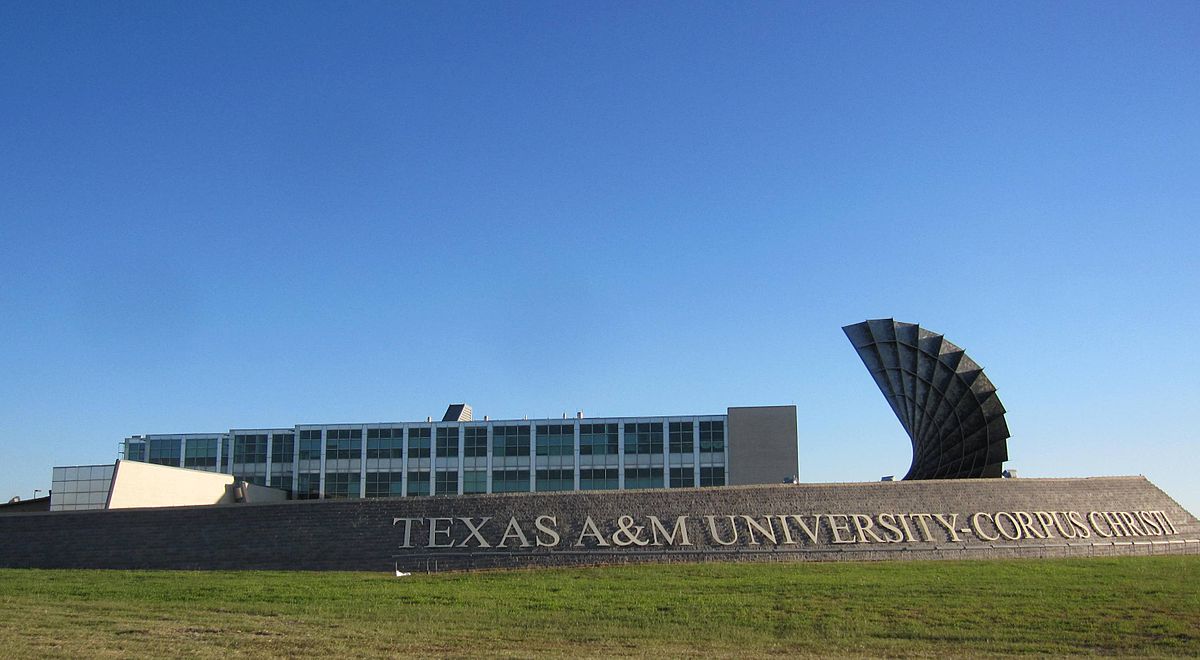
(989, 518)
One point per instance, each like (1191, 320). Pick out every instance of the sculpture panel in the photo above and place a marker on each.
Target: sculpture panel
(942, 398)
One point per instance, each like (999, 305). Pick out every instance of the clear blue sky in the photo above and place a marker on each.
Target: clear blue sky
(218, 215)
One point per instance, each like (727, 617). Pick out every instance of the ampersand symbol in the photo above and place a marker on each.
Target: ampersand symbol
(629, 534)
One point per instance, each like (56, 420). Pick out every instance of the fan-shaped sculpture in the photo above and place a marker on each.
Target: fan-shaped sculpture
(944, 401)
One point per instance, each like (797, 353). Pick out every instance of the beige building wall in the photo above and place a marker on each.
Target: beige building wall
(762, 445)
(136, 485)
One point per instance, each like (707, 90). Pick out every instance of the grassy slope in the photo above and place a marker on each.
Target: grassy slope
(1132, 606)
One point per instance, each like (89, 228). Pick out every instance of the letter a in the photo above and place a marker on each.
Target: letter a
(590, 529)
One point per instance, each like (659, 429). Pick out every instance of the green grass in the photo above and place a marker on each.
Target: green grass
(1129, 606)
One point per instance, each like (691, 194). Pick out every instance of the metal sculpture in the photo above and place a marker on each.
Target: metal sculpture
(942, 397)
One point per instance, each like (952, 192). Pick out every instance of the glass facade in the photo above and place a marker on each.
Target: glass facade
(283, 448)
(80, 487)
(447, 444)
(551, 479)
(474, 482)
(683, 477)
(681, 437)
(341, 485)
(712, 476)
(385, 484)
(164, 451)
(422, 459)
(200, 453)
(510, 441)
(556, 440)
(342, 444)
(250, 457)
(510, 481)
(446, 483)
(418, 483)
(598, 439)
(310, 445)
(385, 443)
(475, 442)
(418, 443)
(644, 438)
(599, 479)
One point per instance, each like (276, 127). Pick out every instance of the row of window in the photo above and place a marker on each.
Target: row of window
(552, 440)
(445, 482)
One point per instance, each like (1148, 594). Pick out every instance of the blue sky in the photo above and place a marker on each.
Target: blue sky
(219, 215)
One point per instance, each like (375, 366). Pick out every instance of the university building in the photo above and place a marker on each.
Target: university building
(460, 455)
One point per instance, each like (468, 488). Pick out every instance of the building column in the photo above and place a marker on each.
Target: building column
(321, 479)
(576, 455)
(362, 463)
(404, 462)
(532, 457)
(621, 455)
(462, 455)
(489, 457)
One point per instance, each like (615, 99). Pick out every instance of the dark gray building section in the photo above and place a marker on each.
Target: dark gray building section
(942, 398)
(762, 445)
(1015, 518)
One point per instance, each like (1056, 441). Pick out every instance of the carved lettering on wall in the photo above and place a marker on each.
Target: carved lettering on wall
(833, 530)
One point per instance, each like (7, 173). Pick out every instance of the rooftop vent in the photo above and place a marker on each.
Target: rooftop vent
(457, 412)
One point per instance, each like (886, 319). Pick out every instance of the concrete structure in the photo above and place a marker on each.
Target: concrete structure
(774, 431)
(942, 398)
(461, 456)
(935, 519)
(132, 485)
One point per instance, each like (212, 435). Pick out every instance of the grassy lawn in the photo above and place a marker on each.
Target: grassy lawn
(1130, 606)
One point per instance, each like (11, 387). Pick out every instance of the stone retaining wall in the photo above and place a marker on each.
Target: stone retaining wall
(979, 518)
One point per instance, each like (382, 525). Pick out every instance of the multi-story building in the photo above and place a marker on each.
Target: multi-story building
(462, 456)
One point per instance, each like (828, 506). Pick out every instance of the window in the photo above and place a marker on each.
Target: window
(446, 482)
(310, 445)
(224, 453)
(599, 479)
(712, 476)
(598, 439)
(308, 486)
(511, 481)
(418, 444)
(555, 440)
(683, 477)
(474, 481)
(341, 485)
(548, 480)
(418, 483)
(283, 448)
(510, 441)
(135, 451)
(342, 443)
(164, 451)
(200, 453)
(385, 484)
(475, 441)
(712, 437)
(681, 438)
(447, 445)
(385, 443)
(644, 438)
(250, 448)
(283, 482)
(643, 477)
